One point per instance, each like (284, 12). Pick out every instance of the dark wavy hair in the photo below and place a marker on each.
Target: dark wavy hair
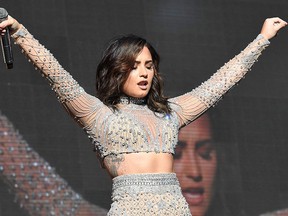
(113, 70)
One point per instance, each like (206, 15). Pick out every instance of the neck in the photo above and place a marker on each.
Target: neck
(132, 100)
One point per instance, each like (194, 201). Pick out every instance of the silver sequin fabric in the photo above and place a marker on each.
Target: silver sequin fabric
(148, 194)
(135, 128)
(36, 185)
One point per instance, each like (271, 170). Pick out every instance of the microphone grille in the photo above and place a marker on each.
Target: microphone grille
(3, 14)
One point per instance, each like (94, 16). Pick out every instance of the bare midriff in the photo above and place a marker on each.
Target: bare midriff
(135, 163)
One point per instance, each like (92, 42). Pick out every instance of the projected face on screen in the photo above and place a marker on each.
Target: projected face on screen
(196, 163)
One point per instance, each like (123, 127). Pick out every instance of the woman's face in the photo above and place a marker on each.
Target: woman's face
(196, 163)
(140, 78)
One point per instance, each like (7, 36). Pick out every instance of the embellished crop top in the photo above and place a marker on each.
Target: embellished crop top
(134, 127)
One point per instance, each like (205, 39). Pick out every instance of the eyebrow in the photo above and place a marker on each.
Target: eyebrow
(198, 144)
(146, 62)
(181, 143)
(201, 143)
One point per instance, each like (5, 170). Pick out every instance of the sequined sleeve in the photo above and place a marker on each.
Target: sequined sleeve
(72, 96)
(191, 105)
(36, 185)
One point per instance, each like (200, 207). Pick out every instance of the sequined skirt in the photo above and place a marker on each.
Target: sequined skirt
(148, 194)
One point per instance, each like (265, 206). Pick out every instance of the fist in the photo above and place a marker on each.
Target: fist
(271, 26)
(11, 23)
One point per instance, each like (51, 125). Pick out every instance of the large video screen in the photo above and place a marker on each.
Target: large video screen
(231, 161)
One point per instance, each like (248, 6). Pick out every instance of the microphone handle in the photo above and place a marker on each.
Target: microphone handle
(5, 42)
(7, 49)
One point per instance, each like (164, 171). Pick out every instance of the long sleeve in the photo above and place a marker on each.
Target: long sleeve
(77, 102)
(37, 187)
(191, 105)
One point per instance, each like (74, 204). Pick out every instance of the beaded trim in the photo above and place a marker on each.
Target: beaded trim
(148, 194)
(22, 169)
(63, 84)
(211, 91)
(22, 32)
(145, 179)
(128, 100)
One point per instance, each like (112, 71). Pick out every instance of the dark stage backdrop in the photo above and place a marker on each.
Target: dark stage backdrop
(194, 38)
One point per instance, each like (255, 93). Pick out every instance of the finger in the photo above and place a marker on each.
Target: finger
(277, 21)
(279, 25)
(5, 23)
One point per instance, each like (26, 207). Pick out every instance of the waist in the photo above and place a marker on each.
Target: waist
(145, 179)
(137, 163)
(151, 192)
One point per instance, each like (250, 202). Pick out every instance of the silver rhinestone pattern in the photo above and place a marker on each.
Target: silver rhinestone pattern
(230, 74)
(135, 128)
(37, 187)
(148, 194)
(62, 83)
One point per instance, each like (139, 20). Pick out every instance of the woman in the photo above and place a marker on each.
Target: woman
(132, 126)
(196, 164)
(201, 167)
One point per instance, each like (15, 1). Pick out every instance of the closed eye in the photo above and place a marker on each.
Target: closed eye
(151, 67)
(205, 149)
(179, 148)
(148, 64)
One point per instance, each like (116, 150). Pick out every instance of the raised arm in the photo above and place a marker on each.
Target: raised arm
(36, 185)
(191, 105)
(82, 106)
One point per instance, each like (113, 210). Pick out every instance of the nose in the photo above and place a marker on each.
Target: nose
(193, 170)
(143, 72)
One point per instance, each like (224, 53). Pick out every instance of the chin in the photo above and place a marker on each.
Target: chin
(198, 210)
(143, 95)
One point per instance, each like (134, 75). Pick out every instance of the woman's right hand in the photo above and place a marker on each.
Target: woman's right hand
(11, 23)
(271, 26)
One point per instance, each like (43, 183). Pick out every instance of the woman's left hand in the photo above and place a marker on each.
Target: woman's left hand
(271, 26)
(11, 23)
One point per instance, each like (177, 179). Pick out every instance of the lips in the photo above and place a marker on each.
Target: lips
(194, 196)
(143, 84)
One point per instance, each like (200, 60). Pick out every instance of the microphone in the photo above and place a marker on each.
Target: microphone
(6, 42)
